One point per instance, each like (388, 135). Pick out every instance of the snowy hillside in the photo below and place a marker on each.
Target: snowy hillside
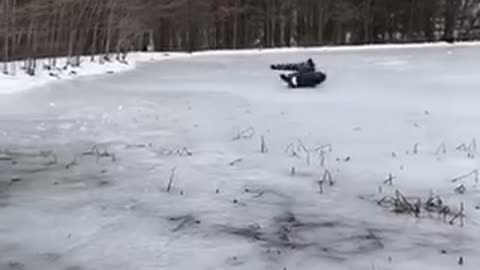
(210, 162)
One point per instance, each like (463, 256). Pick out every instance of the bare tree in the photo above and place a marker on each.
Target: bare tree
(31, 29)
(6, 35)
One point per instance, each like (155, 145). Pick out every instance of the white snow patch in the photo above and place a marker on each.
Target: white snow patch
(20, 81)
(393, 63)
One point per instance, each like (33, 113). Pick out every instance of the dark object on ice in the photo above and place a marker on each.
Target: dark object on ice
(304, 75)
(15, 180)
(301, 80)
(304, 67)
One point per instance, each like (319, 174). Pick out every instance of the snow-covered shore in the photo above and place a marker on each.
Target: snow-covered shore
(18, 80)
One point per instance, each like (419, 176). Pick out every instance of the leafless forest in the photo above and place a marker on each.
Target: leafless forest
(46, 28)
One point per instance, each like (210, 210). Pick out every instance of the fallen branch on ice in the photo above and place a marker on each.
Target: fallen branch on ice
(244, 134)
(170, 181)
(177, 151)
(234, 162)
(183, 221)
(473, 173)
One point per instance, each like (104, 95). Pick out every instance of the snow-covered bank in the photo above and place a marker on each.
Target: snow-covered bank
(20, 81)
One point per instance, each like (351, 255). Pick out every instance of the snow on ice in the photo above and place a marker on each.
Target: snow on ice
(210, 162)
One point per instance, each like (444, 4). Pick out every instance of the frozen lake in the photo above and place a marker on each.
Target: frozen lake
(85, 165)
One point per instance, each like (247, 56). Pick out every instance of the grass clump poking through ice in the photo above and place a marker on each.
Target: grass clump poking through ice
(326, 179)
(301, 151)
(415, 206)
(263, 145)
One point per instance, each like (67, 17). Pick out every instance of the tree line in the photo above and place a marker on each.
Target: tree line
(49, 28)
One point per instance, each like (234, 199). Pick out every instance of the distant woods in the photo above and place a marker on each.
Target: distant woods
(47, 28)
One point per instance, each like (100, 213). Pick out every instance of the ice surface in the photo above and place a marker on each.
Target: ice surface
(83, 182)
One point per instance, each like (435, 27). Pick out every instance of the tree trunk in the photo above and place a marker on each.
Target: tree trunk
(6, 18)
(71, 40)
(14, 36)
(93, 49)
(235, 24)
(450, 20)
(367, 22)
(151, 41)
(108, 40)
(411, 18)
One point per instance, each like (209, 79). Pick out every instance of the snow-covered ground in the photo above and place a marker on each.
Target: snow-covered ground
(86, 164)
(18, 80)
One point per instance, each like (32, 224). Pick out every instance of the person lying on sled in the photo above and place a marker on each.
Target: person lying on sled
(305, 74)
(303, 80)
(308, 66)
